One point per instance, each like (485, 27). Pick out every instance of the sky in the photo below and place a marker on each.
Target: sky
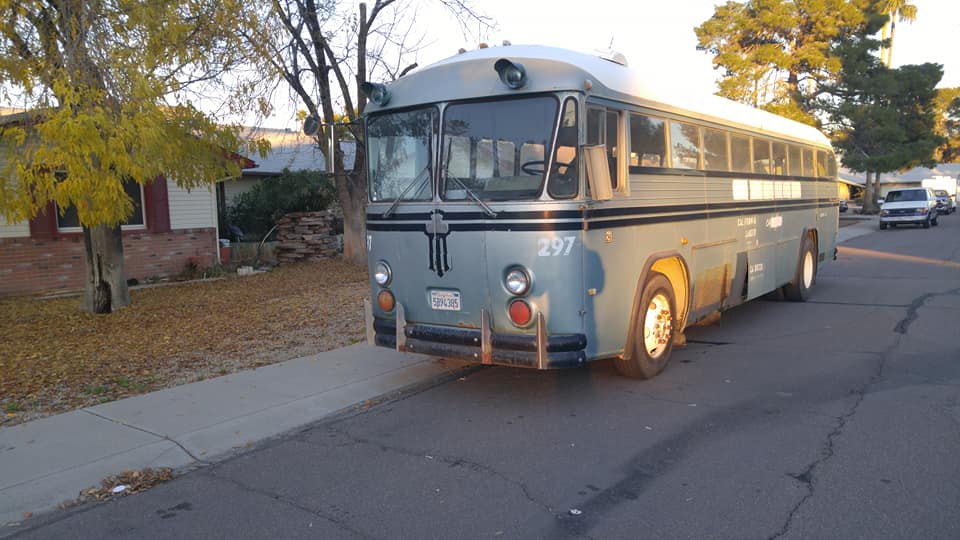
(656, 35)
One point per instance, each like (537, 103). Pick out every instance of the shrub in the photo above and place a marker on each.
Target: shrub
(255, 211)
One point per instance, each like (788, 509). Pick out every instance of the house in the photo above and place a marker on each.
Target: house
(291, 150)
(170, 227)
(911, 178)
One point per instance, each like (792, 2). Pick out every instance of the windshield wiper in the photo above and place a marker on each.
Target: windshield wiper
(416, 181)
(446, 174)
(486, 209)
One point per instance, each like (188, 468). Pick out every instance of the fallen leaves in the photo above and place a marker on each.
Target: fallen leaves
(125, 483)
(55, 358)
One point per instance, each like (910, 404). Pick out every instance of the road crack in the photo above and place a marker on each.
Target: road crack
(452, 461)
(291, 503)
(807, 476)
(148, 432)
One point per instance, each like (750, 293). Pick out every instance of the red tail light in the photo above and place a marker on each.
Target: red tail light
(386, 301)
(520, 312)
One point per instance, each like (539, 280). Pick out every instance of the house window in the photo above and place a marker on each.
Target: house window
(69, 221)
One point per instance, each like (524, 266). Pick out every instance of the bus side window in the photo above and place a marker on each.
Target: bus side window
(684, 145)
(595, 118)
(613, 147)
(821, 163)
(793, 161)
(739, 153)
(807, 162)
(831, 165)
(714, 150)
(779, 159)
(565, 177)
(648, 147)
(603, 127)
(761, 156)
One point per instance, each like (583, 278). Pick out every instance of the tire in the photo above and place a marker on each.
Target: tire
(883, 226)
(926, 223)
(805, 275)
(653, 332)
(936, 220)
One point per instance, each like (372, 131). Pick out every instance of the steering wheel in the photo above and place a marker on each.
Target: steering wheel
(534, 168)
(539, 167)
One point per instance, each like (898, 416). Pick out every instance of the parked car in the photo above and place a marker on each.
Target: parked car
(917, 206)
(843, 206)
(945, 203)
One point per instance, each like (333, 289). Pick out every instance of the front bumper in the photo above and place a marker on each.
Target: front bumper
(917, 220)
(539, 351)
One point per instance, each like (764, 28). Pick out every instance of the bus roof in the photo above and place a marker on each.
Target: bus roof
(470, 75)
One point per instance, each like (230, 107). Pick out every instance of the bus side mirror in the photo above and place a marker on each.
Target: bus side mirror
(598, 172)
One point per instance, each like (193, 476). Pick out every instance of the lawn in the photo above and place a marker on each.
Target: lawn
(55, 358)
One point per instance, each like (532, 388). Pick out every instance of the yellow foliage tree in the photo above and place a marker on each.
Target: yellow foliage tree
(106, 85)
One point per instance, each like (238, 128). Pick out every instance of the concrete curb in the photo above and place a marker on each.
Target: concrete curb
(47, 462)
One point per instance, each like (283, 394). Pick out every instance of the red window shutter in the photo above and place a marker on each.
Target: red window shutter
(45, 224)
(157, 205)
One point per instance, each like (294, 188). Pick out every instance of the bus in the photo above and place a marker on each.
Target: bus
(537, 207)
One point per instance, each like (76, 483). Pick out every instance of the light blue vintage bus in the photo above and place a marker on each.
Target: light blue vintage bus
(536, 207)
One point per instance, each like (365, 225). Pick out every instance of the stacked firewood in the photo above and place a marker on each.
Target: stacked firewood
(307, 236)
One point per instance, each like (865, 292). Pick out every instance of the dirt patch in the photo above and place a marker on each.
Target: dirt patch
(55, 358)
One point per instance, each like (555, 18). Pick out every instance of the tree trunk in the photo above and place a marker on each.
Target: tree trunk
(352, 192)
(869, 197)
(893, 29)
(884, 46)
(106, 289)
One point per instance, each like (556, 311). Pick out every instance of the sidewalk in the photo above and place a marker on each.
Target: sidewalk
(863, 225)
(49, 461)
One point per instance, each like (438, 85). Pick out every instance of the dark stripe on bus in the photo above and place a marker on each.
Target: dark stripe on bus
(707, 208)
(497, 225)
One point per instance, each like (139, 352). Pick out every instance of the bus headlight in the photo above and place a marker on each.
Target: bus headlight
(517, 281)
(511, 73)
(382, 274)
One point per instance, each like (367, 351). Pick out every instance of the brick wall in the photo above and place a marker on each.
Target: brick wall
(35, 264)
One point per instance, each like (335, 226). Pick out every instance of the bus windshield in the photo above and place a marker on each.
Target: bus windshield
(400, 150)
(496, 150)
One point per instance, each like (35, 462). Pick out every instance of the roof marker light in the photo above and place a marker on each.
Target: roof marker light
(511, 73)
(377, 92)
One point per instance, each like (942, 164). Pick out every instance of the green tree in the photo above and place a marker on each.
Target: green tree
(894, 9)
(776, 54)
(324, 51)
(882, 119)
(255, 211)
(948, 124)
(106, 84)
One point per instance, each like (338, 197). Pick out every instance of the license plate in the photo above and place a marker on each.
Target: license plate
(445, 300)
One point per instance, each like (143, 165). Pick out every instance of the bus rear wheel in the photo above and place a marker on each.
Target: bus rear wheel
(653, 330)
(798, 290)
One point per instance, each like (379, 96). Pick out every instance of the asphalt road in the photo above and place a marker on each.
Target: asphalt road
(836, 418)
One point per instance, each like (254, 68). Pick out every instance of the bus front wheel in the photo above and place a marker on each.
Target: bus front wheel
(798, 290)
(653, 330)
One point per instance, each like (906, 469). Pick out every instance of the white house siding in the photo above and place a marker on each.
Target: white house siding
(232, 188)
(192, 209)
(14, 230)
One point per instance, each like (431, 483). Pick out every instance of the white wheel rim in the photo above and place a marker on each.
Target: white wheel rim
(657, 326)
(807, 270)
